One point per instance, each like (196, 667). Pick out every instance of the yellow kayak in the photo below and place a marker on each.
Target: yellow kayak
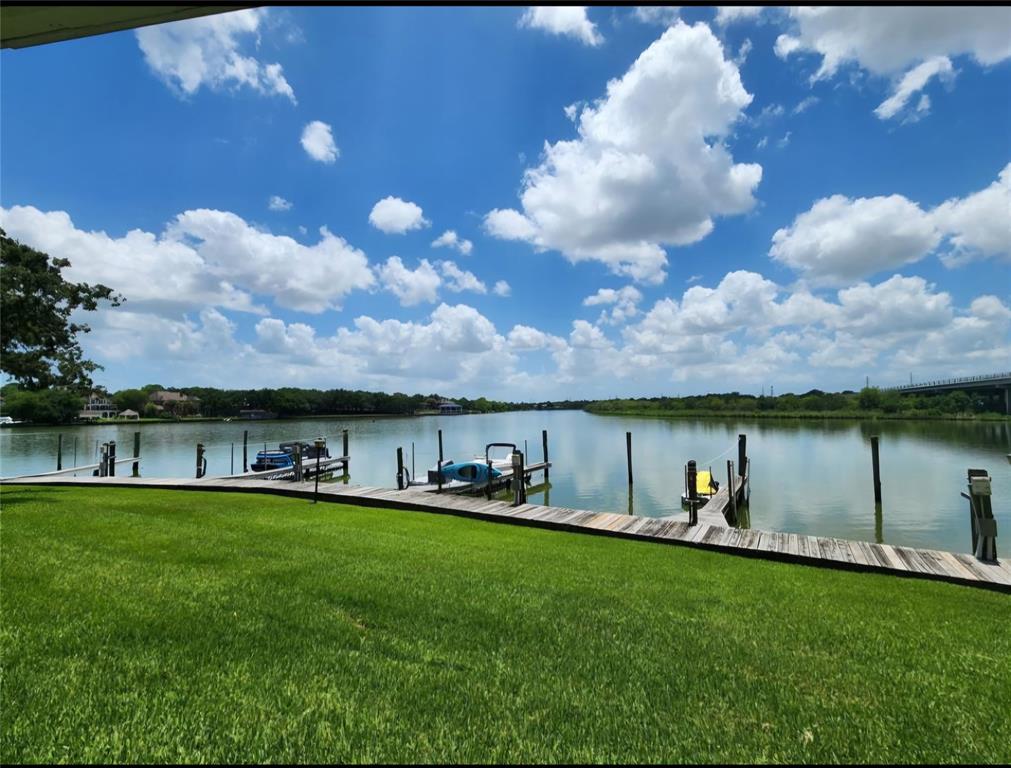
(704, 483)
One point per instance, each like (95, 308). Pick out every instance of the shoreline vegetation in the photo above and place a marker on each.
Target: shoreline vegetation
(219, 627)
(870, 403)
(61, 407)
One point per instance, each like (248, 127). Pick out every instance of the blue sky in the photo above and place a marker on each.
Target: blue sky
(644, 201)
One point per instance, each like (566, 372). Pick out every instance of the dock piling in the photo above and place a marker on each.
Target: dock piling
(628, 453)
(519, 487)
(438, 473)
(876, 468)
(400, 468)
(733, 492)
(544, 446)
(231, 467)
(320, 446)
(59, 452)
(981, 519)
(75, 452)
(111, 458)
(201, 461)
(136, 454)
(245, 451)
(693, 493)
(345, 465)
(742, 454)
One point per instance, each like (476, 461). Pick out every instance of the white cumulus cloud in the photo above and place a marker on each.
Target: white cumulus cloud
(568, 20)
(840, 239)
(410, 286)
(395, 216)
(649, 167)
(203, 258)
(459, 280)
(206, 51)
(449, 239)
(980, 223)
(908, 44)
(317, 141)
(278, 203)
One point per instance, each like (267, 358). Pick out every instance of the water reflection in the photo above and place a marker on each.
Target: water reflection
(808, 476)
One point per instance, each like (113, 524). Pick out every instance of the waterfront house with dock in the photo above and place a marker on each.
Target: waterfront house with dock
(99, 406)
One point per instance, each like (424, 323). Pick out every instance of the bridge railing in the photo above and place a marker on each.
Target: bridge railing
(951, 382)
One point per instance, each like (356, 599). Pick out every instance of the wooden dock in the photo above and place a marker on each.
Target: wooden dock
(710, 533)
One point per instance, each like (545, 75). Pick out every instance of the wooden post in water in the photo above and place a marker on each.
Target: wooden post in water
(693, 493)
(983, 524)
(412, 459)
(400, 468)
(231, 468)
(320, 446)
(112, 458)
(628, 453)
(245, 450)
(298, 462)
(103, 462)
(544, 446)
(517, 479)
(59, 452)
(438, 474)
(75, 452)
(733, 492)
(201, 462)
(742, 454)
(487, 485)
(876, 468)
(136, 454)
(346, 454)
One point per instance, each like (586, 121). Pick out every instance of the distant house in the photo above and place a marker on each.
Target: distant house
(256, 413)
(129, 413)
(175, 402)
(99, 406)
(448, 408)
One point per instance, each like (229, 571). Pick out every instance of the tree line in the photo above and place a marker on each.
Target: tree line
(57, 405)
(869, 400)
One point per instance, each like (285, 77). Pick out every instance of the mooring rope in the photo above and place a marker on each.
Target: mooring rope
(714, 458)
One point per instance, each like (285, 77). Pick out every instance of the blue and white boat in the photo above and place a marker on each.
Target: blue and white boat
(474, 473)
(284, 456)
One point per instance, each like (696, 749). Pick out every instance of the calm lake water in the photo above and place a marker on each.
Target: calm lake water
(810, 477)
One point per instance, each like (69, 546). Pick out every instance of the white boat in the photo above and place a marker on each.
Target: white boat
(7, 421)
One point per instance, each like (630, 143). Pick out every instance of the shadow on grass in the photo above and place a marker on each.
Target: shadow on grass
(13, 496)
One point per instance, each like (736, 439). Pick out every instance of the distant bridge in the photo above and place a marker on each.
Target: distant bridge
(988, 381)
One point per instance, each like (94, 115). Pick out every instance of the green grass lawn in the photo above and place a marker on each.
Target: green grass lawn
(151, 626)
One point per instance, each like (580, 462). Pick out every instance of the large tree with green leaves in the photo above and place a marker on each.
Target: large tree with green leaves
(39, 344)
